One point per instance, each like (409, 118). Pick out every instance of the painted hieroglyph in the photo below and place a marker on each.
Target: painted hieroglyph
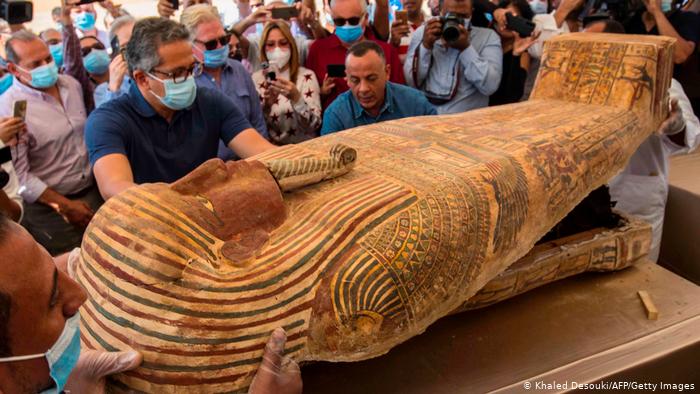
(408, 223)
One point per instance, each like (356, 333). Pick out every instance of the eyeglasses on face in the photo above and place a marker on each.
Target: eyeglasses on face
(213, 44)
(181, 75)
(352, 21)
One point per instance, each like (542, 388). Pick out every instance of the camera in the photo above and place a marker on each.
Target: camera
(16, 11)
(450, 26)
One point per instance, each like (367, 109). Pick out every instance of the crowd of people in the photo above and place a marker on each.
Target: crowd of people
(150, 99)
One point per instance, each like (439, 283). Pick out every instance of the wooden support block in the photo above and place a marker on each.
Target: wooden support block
(652, 312)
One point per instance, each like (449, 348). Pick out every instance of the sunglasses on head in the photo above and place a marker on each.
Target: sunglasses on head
(213, 44)
(86, 51)
(353, 21)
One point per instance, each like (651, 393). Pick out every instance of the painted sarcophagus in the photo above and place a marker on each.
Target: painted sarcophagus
(410, 223)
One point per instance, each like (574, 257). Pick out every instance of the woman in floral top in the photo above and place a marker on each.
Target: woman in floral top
(291, 103)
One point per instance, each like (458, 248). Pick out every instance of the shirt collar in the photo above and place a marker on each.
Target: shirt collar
(25, 89)
(386, 107)
(139, 102)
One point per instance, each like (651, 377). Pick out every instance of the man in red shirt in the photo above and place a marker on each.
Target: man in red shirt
(351, 21)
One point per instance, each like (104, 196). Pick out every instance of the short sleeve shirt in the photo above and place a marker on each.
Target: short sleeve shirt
(159, 151)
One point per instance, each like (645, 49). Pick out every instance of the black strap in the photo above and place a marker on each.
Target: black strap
(432, 98)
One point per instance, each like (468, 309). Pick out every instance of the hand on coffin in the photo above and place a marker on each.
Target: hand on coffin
(94, 366)
(277, 374)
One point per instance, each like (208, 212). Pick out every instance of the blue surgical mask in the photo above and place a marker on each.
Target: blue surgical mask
(5, 82)
(97, 61)
(57, 53)
(61, 357)
(348, 33)
(85, 21)
(216, 58)
(43, 76)
(666, 5)
(538, 6)
(177, 95)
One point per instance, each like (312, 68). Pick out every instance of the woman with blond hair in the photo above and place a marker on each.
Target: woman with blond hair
(289, 93)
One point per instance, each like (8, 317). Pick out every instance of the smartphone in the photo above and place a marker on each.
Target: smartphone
(114, 44)
(5, 155)
(336, 70)
(285, 13)
(19, 109)
(520, 25)
(81, 2)
(401, 16)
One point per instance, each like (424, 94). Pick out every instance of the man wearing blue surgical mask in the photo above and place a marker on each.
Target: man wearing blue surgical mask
(40, 349)
(166, 126)
(51, 160)
(456, 65)
(95, 61)
(84, 18)
(39, 324)
(665, 18)
(210, 46)
(53, 39)
(351, 25)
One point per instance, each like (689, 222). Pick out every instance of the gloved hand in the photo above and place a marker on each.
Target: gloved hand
(277, 374)
(93, 366)
(72, 262)
(675, 123)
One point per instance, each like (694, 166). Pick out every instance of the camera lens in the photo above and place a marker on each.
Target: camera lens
(450, 26)
(450, 32)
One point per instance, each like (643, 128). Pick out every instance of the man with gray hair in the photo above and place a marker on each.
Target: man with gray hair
(210, 46)
(51, 160)
(165, 126)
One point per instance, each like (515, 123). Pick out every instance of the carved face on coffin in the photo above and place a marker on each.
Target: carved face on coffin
(237, 202)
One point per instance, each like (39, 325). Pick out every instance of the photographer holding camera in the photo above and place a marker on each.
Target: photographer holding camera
(456, 65)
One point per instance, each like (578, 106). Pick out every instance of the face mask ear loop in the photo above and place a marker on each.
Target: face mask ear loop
(22, 358)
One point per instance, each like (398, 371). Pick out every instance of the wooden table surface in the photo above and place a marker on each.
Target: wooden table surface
(581, 329)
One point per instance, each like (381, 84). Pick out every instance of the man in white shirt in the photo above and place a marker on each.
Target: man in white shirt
(84, 18)
(641, 189)
(51, 160)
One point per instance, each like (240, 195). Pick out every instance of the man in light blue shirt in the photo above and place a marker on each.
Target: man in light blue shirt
(210, 46)
(456, 75)
(371, 98)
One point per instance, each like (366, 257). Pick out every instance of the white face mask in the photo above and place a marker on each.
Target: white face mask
(278, 57)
